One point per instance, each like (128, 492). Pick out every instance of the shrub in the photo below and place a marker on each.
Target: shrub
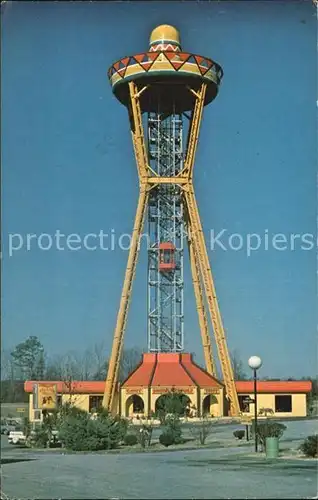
(161, 415)
(79, 432)
(239, 434)
(40, 437)
(43, 434)
(130, 440)
(120, 424)
(310, 446)
(26, 426)
(269, 429)
(166, 438)
(173, 427)
(144, 435)
(201, 430)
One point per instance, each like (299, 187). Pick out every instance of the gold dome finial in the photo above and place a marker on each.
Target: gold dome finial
(165, 35)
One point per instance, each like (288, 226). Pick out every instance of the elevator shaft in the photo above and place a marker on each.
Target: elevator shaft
(165, 233)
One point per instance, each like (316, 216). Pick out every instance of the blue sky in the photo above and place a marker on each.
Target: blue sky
(67, 164)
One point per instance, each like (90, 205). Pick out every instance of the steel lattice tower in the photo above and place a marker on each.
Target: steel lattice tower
(165, 91)
(165, 231)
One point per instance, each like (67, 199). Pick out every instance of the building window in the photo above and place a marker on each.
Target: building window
(58, 401)
(283, 404)
(95, 402)
(37, 415)
(244, 406)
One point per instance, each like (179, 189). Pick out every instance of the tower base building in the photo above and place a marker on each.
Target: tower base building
(161, 373)
(139, 395)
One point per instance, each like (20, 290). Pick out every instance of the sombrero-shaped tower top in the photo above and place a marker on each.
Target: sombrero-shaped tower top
(167, 72)
(165, 37)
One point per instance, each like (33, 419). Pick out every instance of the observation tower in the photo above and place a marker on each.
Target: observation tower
(165, 90)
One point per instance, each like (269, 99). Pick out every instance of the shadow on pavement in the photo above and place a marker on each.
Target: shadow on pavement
(14, 460)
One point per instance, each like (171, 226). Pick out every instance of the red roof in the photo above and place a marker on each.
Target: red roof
(142, 375)
(169, 370)
(282, 386)
(173, 370)
(85, 387)
(202, 378)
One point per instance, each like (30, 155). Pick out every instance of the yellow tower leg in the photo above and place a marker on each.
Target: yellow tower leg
(113, 369)
(202, 256)
(203, 322)
(137, 131)
(142, 168)
(194, 130)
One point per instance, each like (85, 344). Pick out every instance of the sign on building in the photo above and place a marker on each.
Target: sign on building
(134, 391)
(164, 390)
(44, 396)
(211, 390)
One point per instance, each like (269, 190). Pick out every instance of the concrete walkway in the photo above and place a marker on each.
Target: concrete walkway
(221, 473)
(230, 472)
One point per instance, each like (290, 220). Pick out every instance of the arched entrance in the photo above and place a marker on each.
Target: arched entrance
(207, 402)
(206, 405)
(134, 404)
(173, 402)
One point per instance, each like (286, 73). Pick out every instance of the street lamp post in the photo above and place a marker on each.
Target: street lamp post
(255, 363)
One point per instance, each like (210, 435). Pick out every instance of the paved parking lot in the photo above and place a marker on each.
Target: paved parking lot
(229, 472)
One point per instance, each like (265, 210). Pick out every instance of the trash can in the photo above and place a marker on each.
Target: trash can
(272, 447)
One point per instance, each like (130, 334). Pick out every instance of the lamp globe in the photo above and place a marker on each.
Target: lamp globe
(255, 362)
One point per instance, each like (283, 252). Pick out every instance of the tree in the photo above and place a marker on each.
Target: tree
(72, 368)
(40, 368)
(101, 372)
(100, 362)
(12, 389)
(238, 366)
(129, 361)
(201, 430)
(173, 403)
(7, 366)
(69, 366)
(91, 365)
(87, 365)
(312, 396)
(314, 381)
(29, 356)
(55, 368)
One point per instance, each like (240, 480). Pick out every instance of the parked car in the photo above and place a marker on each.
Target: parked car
(16, 437)
(7, 428)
